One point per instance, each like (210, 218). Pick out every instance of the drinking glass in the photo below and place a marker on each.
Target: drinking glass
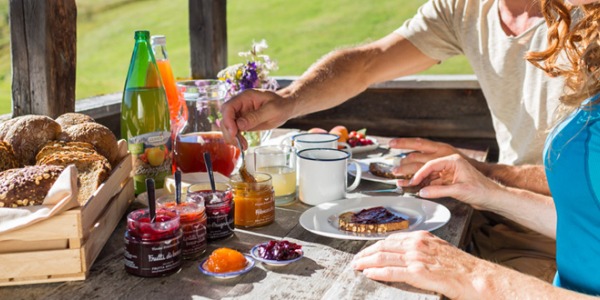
(279, 162)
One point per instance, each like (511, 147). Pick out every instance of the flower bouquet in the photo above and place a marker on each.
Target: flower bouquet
(253, 74)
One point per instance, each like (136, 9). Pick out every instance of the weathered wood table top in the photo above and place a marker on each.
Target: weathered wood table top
(323, 273)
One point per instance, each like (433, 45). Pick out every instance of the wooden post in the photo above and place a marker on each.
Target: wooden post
(43, 47)
(208, 37)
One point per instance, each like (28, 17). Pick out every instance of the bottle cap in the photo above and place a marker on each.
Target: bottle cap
(159, 40)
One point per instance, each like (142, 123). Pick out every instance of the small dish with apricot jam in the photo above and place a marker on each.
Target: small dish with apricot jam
(226, 263)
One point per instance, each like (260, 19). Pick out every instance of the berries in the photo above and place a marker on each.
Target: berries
(279, 250)
(358, 138)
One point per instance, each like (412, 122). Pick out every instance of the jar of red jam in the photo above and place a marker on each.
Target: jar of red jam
(153, 249)
(192, 217)
(219, 206)
(254, 204)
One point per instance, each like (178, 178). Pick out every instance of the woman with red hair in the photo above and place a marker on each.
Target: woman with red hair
(572, 165)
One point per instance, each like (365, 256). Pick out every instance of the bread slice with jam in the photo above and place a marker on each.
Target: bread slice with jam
(372, 220)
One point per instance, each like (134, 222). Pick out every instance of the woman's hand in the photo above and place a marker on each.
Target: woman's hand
(453, 176)
(424, 261)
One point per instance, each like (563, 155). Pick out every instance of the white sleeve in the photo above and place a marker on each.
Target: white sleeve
(435, 29)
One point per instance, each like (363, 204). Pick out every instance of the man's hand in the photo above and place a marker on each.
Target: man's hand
(254, 110)
(424, 151)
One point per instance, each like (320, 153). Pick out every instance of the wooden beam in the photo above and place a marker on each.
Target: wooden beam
(43, 46)
(208, 37)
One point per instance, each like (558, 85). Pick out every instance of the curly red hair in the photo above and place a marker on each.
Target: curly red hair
(573, 49)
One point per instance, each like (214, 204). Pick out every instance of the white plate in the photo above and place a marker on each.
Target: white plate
(361, 149)
(249, 266)
(421, 214)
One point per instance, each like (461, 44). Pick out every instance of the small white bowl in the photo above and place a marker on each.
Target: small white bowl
(249, 266)
(254, 253)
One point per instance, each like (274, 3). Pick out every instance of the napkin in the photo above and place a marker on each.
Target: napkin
(61, 197)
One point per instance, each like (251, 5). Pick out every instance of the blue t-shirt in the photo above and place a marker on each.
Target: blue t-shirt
(572, 162)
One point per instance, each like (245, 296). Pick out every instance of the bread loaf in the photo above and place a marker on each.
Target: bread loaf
(28, 134)
(27, 186)
(92, 169)
(69, 119)
(7, 157)
(96, 134)
(6, 125)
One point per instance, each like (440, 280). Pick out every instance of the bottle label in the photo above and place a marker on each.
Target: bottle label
(152, 158)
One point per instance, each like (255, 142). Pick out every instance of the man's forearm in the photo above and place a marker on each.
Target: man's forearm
(527, 177)
(345, 73)
(329, 82)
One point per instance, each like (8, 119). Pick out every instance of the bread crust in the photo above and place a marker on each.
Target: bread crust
(28, 134)
(6, 125)
(100, 136)
(27, 186)
(70, 119)
(8, 160)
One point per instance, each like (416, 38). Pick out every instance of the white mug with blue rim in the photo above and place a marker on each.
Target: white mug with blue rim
(316, 140)
(323, 175)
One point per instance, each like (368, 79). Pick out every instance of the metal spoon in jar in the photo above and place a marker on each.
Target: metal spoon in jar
(151, 199)
(246, 176)
(211, 177)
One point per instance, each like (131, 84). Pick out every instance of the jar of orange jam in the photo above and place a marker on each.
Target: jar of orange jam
(254, 204)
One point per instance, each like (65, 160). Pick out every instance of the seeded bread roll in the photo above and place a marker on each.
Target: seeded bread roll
(27, 186)
(69, 119)
(96, 134)
(92, 169)
(8, 160)
(28, 134)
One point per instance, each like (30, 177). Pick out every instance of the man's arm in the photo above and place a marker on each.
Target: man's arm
(527, 177)
(345, 73)
(334, 79)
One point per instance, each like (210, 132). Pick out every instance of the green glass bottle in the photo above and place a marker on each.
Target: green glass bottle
(145, 120)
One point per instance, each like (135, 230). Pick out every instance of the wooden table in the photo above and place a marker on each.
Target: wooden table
(324, 272)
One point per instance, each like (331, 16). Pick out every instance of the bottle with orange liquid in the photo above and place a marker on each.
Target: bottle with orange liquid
(177, 110)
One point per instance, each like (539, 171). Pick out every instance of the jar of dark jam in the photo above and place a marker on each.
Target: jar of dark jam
(192, 217)
(219, 206)
(153, 249)
(254, 201)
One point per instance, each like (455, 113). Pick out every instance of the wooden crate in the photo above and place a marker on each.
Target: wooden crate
(64, 247)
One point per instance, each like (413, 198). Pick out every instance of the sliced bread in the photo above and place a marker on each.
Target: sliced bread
(92, 169)
(372, 220)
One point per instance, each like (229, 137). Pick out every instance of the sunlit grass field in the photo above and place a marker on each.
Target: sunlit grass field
(298, 33)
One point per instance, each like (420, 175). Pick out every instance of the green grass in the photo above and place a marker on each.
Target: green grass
(298, 33)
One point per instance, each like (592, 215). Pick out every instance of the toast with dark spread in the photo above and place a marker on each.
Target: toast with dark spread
(372, 220)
